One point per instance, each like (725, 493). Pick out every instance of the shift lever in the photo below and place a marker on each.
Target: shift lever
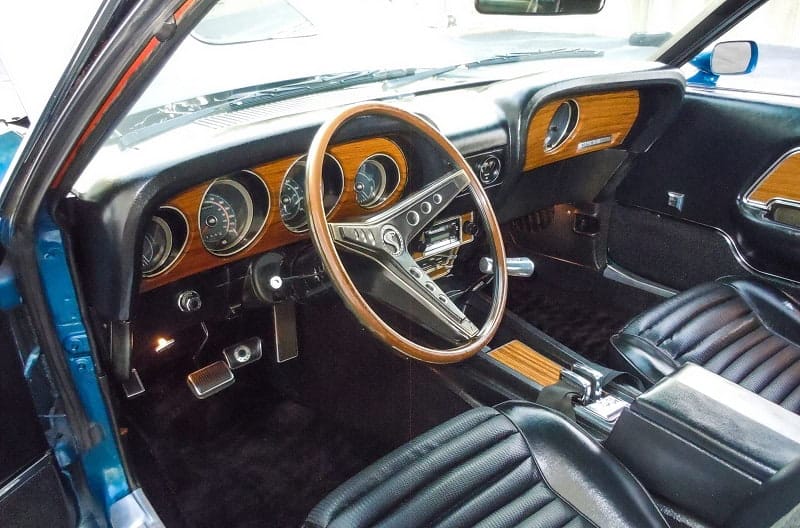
(517, 267)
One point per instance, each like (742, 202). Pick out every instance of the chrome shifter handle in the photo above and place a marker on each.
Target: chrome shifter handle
(517, 267)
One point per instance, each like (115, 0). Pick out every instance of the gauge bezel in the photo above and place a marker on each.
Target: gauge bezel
(253, 229)
(390, 172)
(174, 254)
(572, 124)
(167, 247)
(301, 161)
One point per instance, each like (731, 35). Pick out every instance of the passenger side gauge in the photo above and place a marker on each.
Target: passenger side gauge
(164, 240)
(293, 192)
(561, 125)
(376, 179)
(233, 212)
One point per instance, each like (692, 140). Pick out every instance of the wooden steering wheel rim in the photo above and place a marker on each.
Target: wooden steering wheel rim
(323, 240)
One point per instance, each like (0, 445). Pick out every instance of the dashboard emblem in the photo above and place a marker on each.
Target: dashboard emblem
(392, 240)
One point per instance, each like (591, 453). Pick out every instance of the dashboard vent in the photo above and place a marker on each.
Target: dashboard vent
(296, 105)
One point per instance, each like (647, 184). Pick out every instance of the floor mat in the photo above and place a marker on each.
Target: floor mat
(583, 327)
(241, 458)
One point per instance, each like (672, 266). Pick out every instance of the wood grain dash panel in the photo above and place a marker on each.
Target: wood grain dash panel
(525, 360)
(195, 258)
(782, 182)
(610, 114)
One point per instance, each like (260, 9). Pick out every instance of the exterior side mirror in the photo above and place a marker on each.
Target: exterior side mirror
(737, 57)
(539, 7)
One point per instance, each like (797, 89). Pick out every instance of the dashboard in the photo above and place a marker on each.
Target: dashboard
(199, 205)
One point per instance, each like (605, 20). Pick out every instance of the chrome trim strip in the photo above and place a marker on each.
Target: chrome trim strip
(26, 474)
(619, 274)
(762, 205)
(134, 511)
(746, 265)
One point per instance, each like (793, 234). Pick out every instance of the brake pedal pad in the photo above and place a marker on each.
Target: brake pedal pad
(210, 379)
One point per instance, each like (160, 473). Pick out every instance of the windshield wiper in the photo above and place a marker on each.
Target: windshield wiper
(248, 99)
(505, 58)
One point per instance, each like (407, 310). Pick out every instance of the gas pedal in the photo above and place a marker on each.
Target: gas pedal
(210, 379)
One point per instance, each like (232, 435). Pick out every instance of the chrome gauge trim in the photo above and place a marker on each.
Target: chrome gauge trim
(572, 124)
(227, 180)
(257, 232)
(172, 256)
(301, 161)
(384, 194)
(167, 246)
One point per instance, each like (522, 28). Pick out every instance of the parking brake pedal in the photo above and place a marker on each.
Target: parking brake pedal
(210, 379)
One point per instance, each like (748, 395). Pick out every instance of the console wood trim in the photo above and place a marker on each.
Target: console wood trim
(781, 182)
(605, 115)
(525, 360)
(195, 258)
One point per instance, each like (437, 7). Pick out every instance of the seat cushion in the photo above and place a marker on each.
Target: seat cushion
(514, 465)
(741, 329)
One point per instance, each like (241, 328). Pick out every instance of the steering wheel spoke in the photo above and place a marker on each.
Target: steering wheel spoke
(434, 309)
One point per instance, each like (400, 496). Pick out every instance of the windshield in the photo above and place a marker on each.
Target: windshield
(245, 45)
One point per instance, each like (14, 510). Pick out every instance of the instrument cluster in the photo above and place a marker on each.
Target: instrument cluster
(265, 207)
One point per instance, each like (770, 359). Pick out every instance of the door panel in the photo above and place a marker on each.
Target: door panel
(714, 154)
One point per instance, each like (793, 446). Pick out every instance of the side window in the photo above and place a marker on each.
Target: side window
(775, 28)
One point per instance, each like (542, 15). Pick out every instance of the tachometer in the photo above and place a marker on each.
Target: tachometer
(225, 216)
(156, 247)
(292, 200)
(293, 192)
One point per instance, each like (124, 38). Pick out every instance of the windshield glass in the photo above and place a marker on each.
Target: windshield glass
(243, 46)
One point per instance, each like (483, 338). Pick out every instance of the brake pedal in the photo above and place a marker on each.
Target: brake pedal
(210, 379)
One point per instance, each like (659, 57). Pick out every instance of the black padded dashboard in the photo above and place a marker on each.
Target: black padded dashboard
(120, 190)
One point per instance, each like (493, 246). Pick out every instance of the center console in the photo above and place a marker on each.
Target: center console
(704, 443)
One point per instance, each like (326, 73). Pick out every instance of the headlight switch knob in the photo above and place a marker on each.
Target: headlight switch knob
(189, 301)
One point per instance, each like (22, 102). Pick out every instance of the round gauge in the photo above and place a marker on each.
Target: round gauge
(377, 178)
(225, 216)
(156, 247)
(293, 192)
(292, 200)
(164, 240)
(370, 182)
(561, 125)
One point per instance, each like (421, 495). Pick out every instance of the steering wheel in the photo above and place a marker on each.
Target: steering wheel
(384, 237)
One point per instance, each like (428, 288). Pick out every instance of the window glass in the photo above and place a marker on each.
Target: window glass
(775, 27)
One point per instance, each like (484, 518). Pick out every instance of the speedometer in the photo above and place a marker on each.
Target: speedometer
(225, 216)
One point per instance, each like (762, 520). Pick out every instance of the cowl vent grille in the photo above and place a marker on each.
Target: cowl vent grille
(292, 106)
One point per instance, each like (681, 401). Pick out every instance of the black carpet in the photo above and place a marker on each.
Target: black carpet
(575, 306)
(242, 458)
(583, 327)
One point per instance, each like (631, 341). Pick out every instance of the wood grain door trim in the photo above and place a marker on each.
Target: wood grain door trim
(780, 183)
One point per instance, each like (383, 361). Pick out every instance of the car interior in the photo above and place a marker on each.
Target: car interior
(557, 300)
